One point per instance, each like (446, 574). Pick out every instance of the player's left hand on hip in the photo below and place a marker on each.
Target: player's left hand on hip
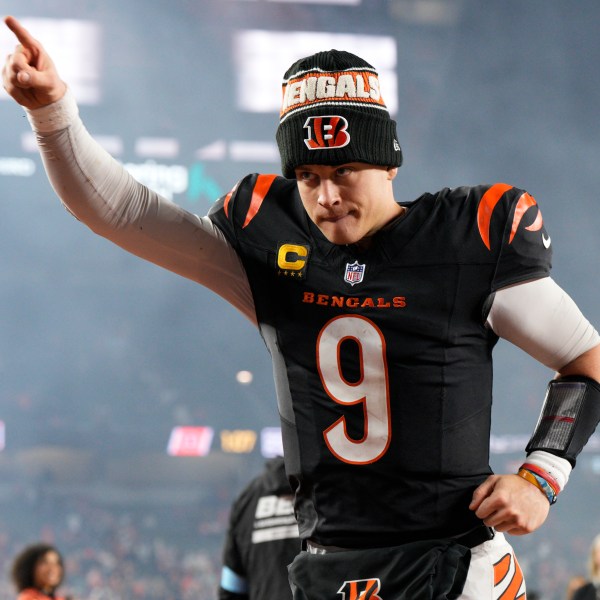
(510, 504)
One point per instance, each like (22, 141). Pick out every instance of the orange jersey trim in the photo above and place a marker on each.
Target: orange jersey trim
(523, 205)
(228, 198)
(486, 208)
(261, 189)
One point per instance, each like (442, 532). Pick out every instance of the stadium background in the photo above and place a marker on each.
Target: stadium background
(103, 355)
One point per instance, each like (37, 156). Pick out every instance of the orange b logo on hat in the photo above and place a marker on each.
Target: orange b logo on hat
(327, 132)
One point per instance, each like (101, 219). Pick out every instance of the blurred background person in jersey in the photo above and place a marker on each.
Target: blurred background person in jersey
(262, 539)
(37, 572)
(591, 590)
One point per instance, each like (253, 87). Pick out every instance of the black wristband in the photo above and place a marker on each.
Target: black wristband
(569, 417)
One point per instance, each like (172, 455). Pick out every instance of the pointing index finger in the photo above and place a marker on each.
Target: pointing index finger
(24, 37)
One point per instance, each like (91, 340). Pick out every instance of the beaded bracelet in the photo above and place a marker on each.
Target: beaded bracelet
(540, 483)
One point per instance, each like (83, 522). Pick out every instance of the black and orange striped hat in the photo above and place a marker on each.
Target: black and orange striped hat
(333, 113)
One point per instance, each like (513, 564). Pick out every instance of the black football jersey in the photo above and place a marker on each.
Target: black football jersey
(262, 538)
(382, 360)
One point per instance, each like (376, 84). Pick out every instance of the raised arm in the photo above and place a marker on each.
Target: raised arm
(101, 193)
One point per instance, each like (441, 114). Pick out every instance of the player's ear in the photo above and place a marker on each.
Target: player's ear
(392, 172)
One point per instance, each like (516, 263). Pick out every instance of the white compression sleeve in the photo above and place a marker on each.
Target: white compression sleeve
(542, 319)
(100, 192)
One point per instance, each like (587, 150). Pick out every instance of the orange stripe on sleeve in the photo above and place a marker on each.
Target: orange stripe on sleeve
(228, 198)
(537, 224)
(261, 189)
(486, 208)
(523, 205)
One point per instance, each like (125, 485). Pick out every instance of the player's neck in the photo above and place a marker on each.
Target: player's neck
(365, 243)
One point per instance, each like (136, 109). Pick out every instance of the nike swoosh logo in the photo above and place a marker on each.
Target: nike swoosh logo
(546, 241)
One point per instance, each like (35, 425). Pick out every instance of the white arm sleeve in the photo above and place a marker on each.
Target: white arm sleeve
(100, 192)
(541, 318)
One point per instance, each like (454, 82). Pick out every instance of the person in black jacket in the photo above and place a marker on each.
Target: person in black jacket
(262, 539)
(591, 590)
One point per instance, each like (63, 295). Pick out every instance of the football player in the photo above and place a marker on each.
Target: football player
(262, 539)
(380, 317)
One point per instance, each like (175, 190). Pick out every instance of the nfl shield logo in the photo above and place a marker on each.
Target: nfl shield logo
(354, 273)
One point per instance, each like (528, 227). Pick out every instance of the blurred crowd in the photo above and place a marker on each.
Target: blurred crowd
(158, 552)
(116, 554)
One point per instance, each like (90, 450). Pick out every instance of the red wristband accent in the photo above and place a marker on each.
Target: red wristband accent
(539, 471)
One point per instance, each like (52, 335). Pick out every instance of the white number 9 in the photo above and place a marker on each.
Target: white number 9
(371, 388)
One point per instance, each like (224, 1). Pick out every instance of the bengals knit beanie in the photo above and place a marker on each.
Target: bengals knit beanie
(333, 113)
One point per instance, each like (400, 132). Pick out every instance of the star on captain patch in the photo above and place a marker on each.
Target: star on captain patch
(354, 273)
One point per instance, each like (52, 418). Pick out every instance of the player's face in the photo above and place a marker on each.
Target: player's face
(349, 202)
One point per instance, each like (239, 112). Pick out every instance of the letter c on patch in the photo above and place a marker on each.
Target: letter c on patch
(292, 257)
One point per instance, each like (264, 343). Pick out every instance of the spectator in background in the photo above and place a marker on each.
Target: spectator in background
(37, 572)
(591, 590)
(574, 584)
(262, 539)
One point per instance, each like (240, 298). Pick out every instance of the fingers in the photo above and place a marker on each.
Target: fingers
(29, 75)
(503, 502)
(17, 72)
(19, 67)
(24, 37)
(492, 502)
(482, 492)
(514, 522)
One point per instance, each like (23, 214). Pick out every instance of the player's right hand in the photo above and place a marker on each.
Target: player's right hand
(29, 75)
